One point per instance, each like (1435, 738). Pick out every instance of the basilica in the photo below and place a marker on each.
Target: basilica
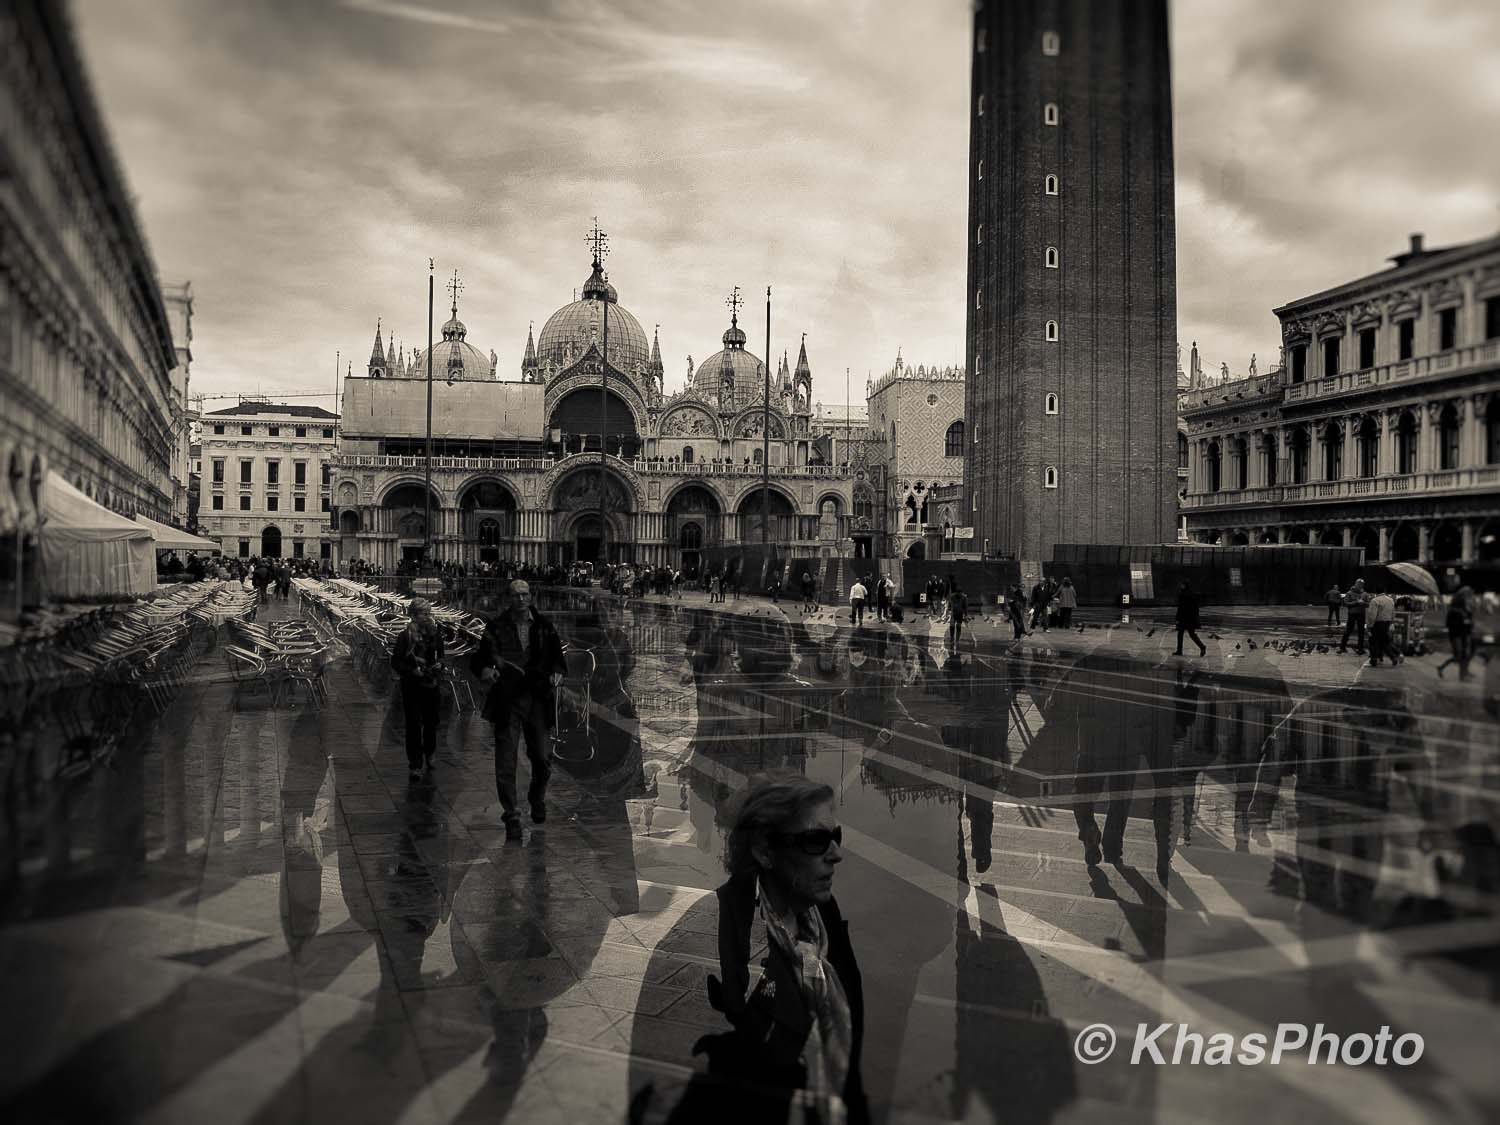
(584, 456)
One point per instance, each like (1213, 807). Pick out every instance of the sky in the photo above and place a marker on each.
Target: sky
(299, 161)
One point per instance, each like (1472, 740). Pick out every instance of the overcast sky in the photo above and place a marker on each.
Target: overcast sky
(300, 161)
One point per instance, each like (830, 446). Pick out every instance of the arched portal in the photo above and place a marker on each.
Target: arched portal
(1447, 543)
(751, 511)
(577, 417)
(270, 542)
(696, 515)
(1368, 538)
(1405, 543)
(404, 512)
(1239, 539)
(602, 528)
(488, 516)
(917, 550)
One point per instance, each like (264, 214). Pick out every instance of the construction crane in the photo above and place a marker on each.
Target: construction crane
(244, 396)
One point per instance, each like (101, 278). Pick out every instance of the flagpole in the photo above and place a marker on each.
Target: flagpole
(427, 491)
(765, 503)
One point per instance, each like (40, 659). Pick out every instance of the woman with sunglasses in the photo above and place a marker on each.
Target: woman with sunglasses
(799, 1025)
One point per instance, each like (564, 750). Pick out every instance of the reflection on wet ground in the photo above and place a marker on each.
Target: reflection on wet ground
(255, 916)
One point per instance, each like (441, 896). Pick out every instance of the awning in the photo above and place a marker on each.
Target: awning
(175, 539)
(89, 551)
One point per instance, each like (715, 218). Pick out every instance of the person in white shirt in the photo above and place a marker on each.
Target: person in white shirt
(1382, 618)
(857, 596)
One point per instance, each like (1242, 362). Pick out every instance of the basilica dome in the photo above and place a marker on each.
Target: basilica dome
(749, 375)
(454, 358)
(571, 329)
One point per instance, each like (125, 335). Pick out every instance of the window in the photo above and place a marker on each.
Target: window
(218, 470)
(244, 548)
(244, 431)
(300, 431)
(978, 362)
(297, 548)
(1049, 113)
(1051, 404)
(327, 475)
(1366, 348)
(979, 235)
(245, 472)
(978, 299)
(980, 112)
(218, 504)
(1052, 332)
(1051, 43)
(1052, 257)
(1492, 318)
(273, 472)
(1447, 329)
(1331, 357)
(273, 431)
(326, 508)
(979, 41)
(953, 441)
(1299, 363)
(1448, 438)
(1049, 477)
(328, 431)
(273, 503)
(1406, 338)
(299, 472)
(299, 503)
(687, 454)
(219, 428)
(1406, 444)
(979, 175)
(1182, 450)
(325, 550)
(1333, 452)
(244, 503)
(1051, 185)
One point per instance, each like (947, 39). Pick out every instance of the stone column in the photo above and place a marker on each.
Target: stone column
(1281, 534)
(1348, 535)
(1384, 548)
(1424, 542)
(1471, 444)
(1351, 446)
(1466, 527)
(1426, 431)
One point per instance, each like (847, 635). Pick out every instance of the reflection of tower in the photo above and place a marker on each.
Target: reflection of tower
(1071, 151)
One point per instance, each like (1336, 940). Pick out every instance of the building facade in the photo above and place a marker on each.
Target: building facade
(1382, 428)
(917, 417)
(86, 348)
(585, 457)
(1071, 276)
(179, 303)
(265, 488)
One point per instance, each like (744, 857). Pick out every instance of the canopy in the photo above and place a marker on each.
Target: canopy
(89, 551)
(175, 539)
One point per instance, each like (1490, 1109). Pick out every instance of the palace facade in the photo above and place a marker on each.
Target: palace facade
(1381, 429)
(584, 457)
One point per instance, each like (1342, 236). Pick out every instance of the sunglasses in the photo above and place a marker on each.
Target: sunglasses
(814, 841)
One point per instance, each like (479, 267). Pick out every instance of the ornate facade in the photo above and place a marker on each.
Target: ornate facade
(516, 471)
(1380, 430)
(917, 416)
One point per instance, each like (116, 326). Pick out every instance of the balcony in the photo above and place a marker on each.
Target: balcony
(1435, 482)
(740, 469)
(1455, 362)
(460, 464)
(542, 464)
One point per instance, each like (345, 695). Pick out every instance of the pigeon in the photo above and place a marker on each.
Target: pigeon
(1152, 633)
(1250, 643)
(1236, 646)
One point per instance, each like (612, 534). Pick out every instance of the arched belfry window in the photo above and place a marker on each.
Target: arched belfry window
(1051, 257)
(1049, 113)
(1051, 43)
(1049, 477)
(979, 235)
(1050, 186)
(1052, 332)
(1051, 404)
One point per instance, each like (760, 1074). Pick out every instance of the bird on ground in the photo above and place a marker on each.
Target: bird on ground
(1236, 646)
(1152, 633)
(1250, 641)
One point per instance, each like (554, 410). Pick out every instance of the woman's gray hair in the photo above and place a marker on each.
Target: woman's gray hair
(770, 802)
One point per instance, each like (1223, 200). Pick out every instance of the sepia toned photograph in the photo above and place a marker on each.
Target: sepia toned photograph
(845, 563)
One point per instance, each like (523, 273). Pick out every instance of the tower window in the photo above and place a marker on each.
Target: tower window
(980, 111)
(1051, 185)
(978, 364)
(1052, 332)
(1051, 404)
(1052, 257)
(1051, 43)
(1049, 477)
(980, 174)
(979, 234)
(978, 293)
(979, 41)
(1049, 113)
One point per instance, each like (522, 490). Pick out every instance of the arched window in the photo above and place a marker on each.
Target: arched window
(1051, 43)
(864, 504)
(1051, 258)
(1051, 404)
(1050, 186)
(1215, 467)
(1369, 447)
(687, 454)
(1300, 443)
(1049, 477)
(1049, 113)
(979, 235)
(979, 175)
(1448, 438)
(1406, 443)
(953, 442)
(1333, 452)
(1268, 460)
(978, 299)
(691, 537)
(1052, 331)
(756, 457)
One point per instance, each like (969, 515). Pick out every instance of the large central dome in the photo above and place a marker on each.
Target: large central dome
(454, 358)
(570, 331)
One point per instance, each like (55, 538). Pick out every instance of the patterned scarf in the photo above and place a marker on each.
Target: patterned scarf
(832, 1033)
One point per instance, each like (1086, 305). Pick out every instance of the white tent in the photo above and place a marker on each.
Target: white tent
(89, 551)
(175, 539)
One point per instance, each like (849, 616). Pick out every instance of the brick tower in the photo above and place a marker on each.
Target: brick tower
(1072, 298)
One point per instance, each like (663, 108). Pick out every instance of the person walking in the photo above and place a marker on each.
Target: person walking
(1067, 602)
(1382, 618)
(958, 609)
(1039, 605)
(1015, 609)
(1355, 601)
(1460, 624)
(857, 595)
(1187, 618)
(520, 656)
(1335, 600)
(883, 587)
(807, 592)
(417, 659)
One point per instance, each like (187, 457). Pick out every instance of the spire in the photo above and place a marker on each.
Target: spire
(377, 365)
(655, 366)
(528, 361)
(803, 370)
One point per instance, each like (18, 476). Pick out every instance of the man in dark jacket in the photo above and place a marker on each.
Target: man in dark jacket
(520, 656)
(1187, 618)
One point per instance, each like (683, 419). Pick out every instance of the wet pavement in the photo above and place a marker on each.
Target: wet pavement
(254, 915)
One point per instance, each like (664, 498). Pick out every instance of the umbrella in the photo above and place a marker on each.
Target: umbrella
(1416, 575)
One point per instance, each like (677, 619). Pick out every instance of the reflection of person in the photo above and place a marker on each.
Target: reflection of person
(1335, 600)
(417, 658)
(800, 1026)
(520, 656)
(1460, 624)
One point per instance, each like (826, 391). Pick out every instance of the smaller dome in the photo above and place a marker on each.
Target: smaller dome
(734, 336)
(596, 288)
(454, 329)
